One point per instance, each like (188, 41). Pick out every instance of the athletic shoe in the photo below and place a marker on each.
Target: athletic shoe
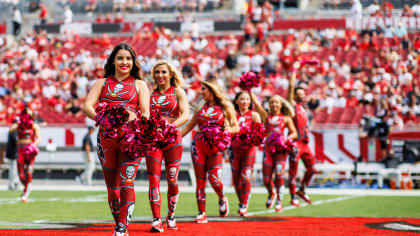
(223, 207)
(304, 196)
(278, 207)
(157, 226)
(171, 222)
(242, 211)
(295, 202)
(270, 201)
(25, 194)
(201, 218)
(120, 230)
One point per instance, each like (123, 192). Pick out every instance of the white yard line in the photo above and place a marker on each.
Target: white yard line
(91, 198)
(143, 187)
(319, 202)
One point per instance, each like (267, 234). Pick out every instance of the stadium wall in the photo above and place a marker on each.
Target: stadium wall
(209, 26)
(328, 145)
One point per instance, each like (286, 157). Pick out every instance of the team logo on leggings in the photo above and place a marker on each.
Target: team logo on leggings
(193, 151)
(172, 174)
(129, 172)
(130, 211)
(154, 194)
(101, 154)
(201, 194)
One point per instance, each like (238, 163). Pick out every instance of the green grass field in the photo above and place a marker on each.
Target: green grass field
(75, 206)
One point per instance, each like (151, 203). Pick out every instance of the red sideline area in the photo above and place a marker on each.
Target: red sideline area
(288, 226)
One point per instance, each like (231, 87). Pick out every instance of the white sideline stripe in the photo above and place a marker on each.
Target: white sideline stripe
(143, 187)
(91, 198)
(319, 202)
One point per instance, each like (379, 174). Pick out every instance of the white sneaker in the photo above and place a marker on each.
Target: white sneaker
(295, 202)
(278, 207)
(223, 207)
(201, 218)
(270, 201)
(157, 226)
(171, 222)
(243, 211)
(25, 195)
(120, 231)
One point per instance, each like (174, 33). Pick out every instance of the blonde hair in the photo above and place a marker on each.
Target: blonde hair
(220, 98)
(286, 108)
(176, 77)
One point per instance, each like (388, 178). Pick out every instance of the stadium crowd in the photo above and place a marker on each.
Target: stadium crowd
(377, 68)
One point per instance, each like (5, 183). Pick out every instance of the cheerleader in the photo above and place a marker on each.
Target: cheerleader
(123, 85)
(242, 160)
(171, 100)
(276, 120)
(207, 158)
(27, 140)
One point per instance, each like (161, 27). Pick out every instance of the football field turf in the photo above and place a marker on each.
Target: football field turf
(87, 213)
(61, 206)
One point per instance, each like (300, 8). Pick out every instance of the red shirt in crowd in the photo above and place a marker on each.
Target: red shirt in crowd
(352, 102)
(43, 14)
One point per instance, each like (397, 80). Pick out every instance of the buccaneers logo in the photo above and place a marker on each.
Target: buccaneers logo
(116, 93)
(160, 103)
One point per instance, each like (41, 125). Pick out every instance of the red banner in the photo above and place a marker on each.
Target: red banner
(309, 24)
(3, 28)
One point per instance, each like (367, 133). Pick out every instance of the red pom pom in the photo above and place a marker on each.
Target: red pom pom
(277, 142)
(250, 134)
(214, 135)
(309, 62)
(110, 119)
(249, 80)
(30, 150)
(144, 135)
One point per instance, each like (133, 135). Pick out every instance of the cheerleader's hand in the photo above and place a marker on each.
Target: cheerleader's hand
(293, 154)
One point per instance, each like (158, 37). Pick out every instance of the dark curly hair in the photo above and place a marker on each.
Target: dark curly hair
(109, 67)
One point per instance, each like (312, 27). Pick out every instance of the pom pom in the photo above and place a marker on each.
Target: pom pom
(136, 143)
(165, 131)
(110, 119)
(30, 150)
(250, 134)
(214, 135)
(144, 135)
(249, 80)
(277, 142)
(309, 62)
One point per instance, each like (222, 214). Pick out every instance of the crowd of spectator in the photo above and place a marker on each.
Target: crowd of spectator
(376, 7)
(375, 68)
(105, 6)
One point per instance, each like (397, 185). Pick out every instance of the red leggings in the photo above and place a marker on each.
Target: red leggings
(119, 173)
(172, 154)
(206, 161)
(308, 159)
(242, 163)
(274, 163)
(25, 164)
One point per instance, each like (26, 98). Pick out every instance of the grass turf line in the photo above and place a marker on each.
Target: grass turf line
(63, 210)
